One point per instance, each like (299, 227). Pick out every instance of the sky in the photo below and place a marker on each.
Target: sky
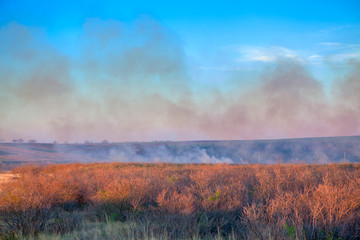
(161, 70)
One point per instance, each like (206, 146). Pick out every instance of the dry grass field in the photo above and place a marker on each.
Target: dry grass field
(174, 201)
(5, 177)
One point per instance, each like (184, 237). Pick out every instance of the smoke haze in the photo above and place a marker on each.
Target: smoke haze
(131, 82)
(295, 151)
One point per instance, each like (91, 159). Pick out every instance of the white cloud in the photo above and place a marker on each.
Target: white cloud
(343, 56)
(338, 46)
(330, 44)
(263, 58)
(315, 58)
(225, 68)
(337, 52)
(263, 54)
(314, 55)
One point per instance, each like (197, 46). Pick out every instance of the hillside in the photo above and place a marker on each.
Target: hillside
(304, 150)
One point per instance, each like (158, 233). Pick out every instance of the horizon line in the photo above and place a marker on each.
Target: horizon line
(89, 142)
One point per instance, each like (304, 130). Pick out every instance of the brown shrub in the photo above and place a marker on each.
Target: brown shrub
(261, 201)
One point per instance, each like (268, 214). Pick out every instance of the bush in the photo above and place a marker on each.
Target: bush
(183, 201)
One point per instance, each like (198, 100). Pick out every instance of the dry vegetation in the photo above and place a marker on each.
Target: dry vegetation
(5, 177)
(165, 201)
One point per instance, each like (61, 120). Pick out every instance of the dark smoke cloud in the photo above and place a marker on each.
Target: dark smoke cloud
(128, 82)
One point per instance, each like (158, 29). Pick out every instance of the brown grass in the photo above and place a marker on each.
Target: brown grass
(249, 202)
(6, 176)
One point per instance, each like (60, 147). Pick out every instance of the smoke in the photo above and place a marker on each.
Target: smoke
(130, 82)
(308, 150)
(161, 154)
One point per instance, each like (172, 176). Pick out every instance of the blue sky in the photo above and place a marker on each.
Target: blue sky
(205, 26)
(209, 25)
(216, 35)
(216, 49)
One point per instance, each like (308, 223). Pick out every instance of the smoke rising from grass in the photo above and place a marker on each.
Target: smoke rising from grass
(130, 82)
(309, 150)
(161, 154)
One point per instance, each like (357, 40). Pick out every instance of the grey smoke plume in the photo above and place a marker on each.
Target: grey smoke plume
(162, 155)
(311, 150)
(130, 82)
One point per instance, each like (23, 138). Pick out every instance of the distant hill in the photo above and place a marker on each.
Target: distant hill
(301, 150)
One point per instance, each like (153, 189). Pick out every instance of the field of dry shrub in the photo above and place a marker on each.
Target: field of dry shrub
(169, 201)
